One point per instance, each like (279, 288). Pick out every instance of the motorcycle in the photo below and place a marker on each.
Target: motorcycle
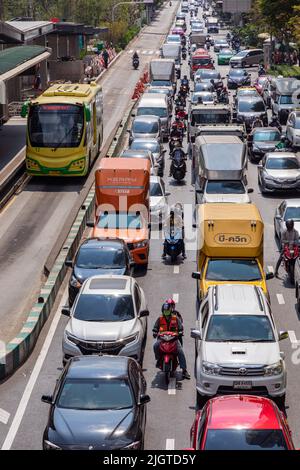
(173, 243)
(178, 165)
(168, 361)
(183, 53)
(289, 257)
(223, 98)
(275, 123)
(175, 141)
(184, 90)
(135, 63)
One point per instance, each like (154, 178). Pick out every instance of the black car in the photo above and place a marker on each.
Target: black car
(98, 256)
(238, 77)
(98, 404)
(248, 109)
(262, 140)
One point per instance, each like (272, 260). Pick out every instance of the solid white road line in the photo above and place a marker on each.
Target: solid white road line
(176, 298)
(4, 416)
(31, 382)
(292, 335)
(280, 299)
(176, 269)
(170, 444)
(172, 386)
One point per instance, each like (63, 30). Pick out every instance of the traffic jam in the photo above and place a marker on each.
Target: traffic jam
(182, 300)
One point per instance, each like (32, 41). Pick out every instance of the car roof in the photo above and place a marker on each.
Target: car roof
(265, 129)
(237, 299)
(281, 154)
(107, 284)
(86, 367)
(146, 118)
(95, 242)
(242, 411)
(135, 153)
(150, 140)
(292, 202)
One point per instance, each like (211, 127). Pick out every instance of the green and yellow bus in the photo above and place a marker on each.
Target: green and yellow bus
(64, 130)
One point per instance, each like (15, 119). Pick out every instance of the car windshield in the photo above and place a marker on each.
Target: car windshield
(225, 187)
(201, 60)
(282, 164)
(286, 99)
(145, 127)
(104, 308)
(160, 112)
(159, 83)
(266, 136)
(155, 189)
(245, 439)
(160, 91)
(208, 75)
(152, 146)
(202, 97)
(121, 220)
(251, 106)
(240, 54)
(239, 328)
(101, 257)
(238, 270)
(237, 73)
(95, 394)
(55, 125)
(297, 124)
(210, 118)
(292, 213)
(225, 52)
(174, 38)
(203, 86)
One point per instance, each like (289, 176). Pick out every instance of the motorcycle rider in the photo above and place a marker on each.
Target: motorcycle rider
(261, 70)
(181, 154)
(168, 321)
(290, 236)
(185, 82)
(175, 133)
(178, 124)
(135, 57)
(257, 123)
(175, 221)
(275, 123)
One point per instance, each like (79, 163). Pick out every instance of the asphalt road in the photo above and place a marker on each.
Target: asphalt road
(12, 138)
(171, 411)
(30, 224)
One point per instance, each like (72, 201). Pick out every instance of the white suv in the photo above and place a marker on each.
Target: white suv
(109, 317)
(293, 128)
(237, 344)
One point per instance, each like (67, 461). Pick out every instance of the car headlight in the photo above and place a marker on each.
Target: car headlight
(50, 446)
(210, 369)
(274, 369)
(142, 244)
(74, 282)
(71, 338)
(129, 339)
(268, 177)
(133, 446)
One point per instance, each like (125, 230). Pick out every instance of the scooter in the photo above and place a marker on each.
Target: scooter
(173, 243)
(168, 361)
(178, 165)
(289, 257)
(183, 53)
(175, 141)
(135, 63)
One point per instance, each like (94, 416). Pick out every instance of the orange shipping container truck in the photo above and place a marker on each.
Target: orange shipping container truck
(122, 203)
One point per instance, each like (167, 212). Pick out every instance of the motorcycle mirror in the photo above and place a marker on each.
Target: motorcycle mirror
(196, 275)
(259, 165)
(283, 335)
(269, 276)
(250, 190)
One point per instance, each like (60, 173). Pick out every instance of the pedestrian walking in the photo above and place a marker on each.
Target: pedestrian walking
(105, 56)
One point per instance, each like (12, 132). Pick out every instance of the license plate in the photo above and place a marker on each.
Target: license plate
(54, 173)
(245, 385)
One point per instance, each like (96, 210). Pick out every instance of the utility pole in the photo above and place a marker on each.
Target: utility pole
(30, 9)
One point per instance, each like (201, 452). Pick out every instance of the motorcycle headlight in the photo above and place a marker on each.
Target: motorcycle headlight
(74, 282)
(210, 369)
(274, 369)
(142, 244)
(133, 446)
(50, 446)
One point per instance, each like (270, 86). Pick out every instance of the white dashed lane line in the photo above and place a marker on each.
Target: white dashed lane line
(170, 444)
(176, 298)
(172, 386)
(4, 416)
(280, 299)
(270, 269)
(176, 269)
(294, 341)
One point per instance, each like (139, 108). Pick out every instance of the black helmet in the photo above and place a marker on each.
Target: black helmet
(289, 224)
(185, 77)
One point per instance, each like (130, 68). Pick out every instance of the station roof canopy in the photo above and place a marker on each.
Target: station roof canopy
(15, 60)
(31, 29)
(9, 34)
(66, 27)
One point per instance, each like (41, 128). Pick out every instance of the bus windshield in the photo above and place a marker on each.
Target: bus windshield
(55, 125)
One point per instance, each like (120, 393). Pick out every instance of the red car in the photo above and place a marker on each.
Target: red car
(178, 31)
(259, 82)
(240, 422)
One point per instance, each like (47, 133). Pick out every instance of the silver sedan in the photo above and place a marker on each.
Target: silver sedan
(279, 171)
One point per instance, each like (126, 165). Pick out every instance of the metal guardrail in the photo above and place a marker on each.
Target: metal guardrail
(14, 108)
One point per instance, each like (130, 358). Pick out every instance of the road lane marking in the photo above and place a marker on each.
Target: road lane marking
(31, 382)
(145, 52)
(4, 416)
(172, 386)
(151, 52)
(176, 269)
(176, 298)
(295, 343)
(280, 299)
(170, 444)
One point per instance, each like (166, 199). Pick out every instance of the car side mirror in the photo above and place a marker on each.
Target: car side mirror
(196, 334)
(133, 115)
(69, 263)
(90, 224)
(283, 335)
(168, 194)
(66, 311)
(144, 399)
(259, 165)
(144, 313)
(269, 276)
(47, 399)
(196, 275)
(250, 190)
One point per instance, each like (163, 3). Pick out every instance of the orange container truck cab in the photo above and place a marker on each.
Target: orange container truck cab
(122, 203)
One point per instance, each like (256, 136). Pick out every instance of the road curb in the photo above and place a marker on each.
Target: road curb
(14, 353)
